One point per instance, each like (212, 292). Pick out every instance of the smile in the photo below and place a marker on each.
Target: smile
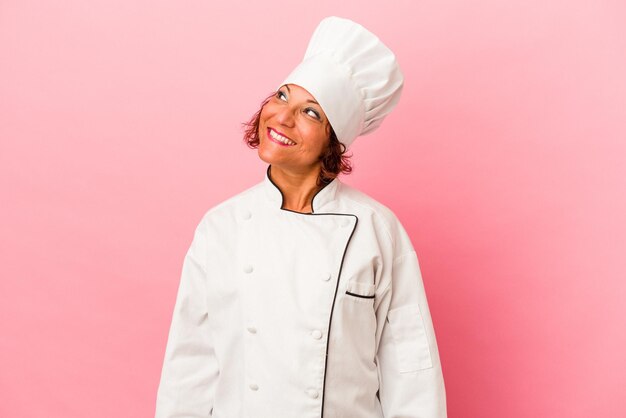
(276, 137)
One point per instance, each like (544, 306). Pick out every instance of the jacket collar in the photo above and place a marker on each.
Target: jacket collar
(320, 200)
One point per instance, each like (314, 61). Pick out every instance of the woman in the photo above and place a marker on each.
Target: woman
(302, 296)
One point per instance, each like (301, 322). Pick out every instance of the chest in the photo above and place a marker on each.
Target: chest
(292, 263)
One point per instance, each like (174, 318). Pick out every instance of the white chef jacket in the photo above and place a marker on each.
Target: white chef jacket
(282, 314)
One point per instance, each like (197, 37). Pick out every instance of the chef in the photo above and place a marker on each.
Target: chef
(302, 297)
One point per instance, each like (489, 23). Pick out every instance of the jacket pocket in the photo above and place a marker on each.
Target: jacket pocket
(356, 323)
(411, 341)
(360, 291)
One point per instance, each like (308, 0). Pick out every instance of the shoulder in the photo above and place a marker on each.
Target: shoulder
(228, 209)
(379, 214)
(363, 201)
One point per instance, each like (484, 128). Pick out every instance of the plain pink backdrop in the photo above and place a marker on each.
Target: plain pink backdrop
(120, 126)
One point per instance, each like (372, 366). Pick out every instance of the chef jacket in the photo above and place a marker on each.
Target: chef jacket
(283, 314)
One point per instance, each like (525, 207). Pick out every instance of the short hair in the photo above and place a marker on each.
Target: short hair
(334, 160)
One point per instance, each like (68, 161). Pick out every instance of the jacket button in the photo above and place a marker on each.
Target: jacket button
(317, 334)
(327, 277)
(246, 214)
(254, 386)
(248, 268)
(313, 393)
(252, 330)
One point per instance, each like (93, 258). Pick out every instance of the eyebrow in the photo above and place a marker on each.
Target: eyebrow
(308, 101)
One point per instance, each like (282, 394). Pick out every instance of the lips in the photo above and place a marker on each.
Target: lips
(279, 138)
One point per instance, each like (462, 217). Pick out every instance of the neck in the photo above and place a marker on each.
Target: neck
(298, 188)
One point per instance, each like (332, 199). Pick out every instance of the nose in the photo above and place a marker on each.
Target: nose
(285, 116)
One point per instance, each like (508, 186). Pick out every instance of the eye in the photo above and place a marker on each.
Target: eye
(280, 93)
(313, 111)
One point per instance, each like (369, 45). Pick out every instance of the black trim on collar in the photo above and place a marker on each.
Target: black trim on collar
(282, 203)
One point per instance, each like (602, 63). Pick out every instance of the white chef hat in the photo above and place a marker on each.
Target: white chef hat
(353, 76)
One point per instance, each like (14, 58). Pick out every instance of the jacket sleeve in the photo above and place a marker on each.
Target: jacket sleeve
(190, 369)
(410, 374)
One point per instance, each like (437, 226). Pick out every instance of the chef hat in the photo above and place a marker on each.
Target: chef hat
(353, 76)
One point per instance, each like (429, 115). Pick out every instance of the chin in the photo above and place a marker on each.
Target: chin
(264, 159)
(267, 157)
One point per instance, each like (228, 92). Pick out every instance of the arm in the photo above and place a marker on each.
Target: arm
(190, 368)
(411, 379)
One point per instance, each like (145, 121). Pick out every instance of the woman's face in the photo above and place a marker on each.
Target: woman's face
(293, 130)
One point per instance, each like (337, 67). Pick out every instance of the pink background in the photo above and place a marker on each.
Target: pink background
(120, 126)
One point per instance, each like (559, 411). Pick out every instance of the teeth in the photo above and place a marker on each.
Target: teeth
(281, 138)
